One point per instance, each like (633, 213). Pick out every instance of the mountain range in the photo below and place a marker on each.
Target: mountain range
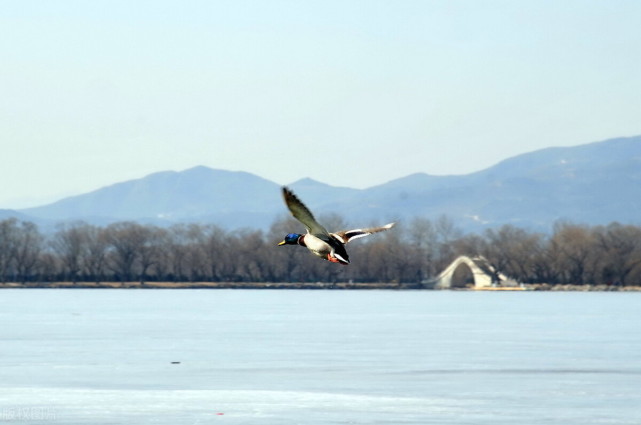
(595, 183)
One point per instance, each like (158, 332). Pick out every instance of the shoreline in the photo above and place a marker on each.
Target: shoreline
(308, 285)
(206, 285)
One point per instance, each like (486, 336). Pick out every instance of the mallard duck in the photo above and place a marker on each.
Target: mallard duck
(328, 246)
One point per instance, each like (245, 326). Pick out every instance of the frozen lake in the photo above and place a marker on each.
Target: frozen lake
(319, 357)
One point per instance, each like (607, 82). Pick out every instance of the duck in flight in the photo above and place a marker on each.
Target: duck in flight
(328, 246)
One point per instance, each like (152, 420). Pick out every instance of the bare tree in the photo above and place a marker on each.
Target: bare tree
(95, 257)
(173, 254)
(511, 250)
(213, 253)
(149, 250)
(620, 252)
(8, 245)
(126, 242)
(29, 245)
(423, 238)
(576, 251)
(447, 233)
(69, 243)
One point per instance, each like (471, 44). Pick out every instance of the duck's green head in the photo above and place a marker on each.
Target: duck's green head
(290, 239)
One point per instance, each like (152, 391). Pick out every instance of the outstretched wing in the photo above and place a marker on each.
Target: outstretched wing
(302, 214)
(347, 235)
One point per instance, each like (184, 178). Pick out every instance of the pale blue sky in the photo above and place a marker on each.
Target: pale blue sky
(351, 93)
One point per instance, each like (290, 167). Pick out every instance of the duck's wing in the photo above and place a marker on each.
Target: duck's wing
(302, 214)
(348, 235)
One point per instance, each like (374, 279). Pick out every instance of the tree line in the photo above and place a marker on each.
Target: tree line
(412, 252)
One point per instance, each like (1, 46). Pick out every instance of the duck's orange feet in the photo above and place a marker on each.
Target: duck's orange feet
(332, 259)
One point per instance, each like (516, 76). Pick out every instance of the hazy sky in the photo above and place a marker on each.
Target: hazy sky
(351, 93)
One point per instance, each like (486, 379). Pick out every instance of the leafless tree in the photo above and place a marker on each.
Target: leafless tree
(576, 245)
(69, 243)
(512, 250)
(126, 243)
(29, 245)
(620, 252)
(95, 263)
(8, 246)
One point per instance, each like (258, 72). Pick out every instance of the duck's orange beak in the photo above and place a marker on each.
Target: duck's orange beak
(281, 243)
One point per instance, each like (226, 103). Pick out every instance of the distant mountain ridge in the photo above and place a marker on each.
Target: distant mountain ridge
(596, 183)
(170, 196)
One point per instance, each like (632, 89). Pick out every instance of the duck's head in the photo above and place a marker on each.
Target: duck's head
(290, 239)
